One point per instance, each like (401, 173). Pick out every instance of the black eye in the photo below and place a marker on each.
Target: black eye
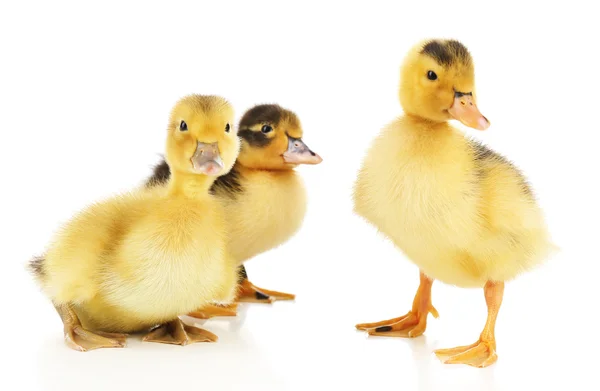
(183, 126)
(227, 128)
(266, 129)
(431, 75)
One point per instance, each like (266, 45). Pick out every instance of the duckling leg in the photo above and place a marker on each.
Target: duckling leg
(178, 333)
(483, 352)
(414, 322)
(212, 310)
(78, 338)
(250, 293)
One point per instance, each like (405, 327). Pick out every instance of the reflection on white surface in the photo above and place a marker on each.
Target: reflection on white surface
(228, 364)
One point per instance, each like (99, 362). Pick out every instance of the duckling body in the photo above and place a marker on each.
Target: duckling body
(138, 260)
(459, 211)
(132, 263)
(264, 197)
(441, 203)
(268, 214)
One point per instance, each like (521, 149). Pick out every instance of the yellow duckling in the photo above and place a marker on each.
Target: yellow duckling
(136, 261)
(459, 211)
(264, 197)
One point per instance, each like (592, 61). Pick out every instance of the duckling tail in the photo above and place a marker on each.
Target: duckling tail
(36, 266)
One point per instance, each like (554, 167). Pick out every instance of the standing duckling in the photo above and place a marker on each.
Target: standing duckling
(461, 212)
(136, 261)
(264, 197)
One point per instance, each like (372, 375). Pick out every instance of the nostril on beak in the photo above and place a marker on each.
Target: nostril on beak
(462, 102)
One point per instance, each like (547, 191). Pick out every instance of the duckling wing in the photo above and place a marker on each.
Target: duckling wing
(514, 236)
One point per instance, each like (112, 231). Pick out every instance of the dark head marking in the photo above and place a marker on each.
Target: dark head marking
(261, 114)
(255, 139)
(269, 114)
(447, 53)
(258, 115)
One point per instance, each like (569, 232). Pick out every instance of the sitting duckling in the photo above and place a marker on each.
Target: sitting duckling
(137, 261)
(461, 212)
(264, 197)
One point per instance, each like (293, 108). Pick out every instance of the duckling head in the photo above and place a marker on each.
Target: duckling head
(272, 139)
(200, 138)
(438, 83)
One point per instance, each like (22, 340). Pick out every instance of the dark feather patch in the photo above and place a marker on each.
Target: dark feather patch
(438, 51)
(160, 175)
(255, 139)
(259, 114)
(36, 265)
(242, 275)
(447, 53)
(458, 51)
(227, 184)
(482, 153)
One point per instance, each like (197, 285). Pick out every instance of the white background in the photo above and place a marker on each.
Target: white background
(85, 91)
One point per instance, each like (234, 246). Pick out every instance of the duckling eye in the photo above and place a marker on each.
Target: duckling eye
(266, 129)
(227, 128)
(431, 75)
(183, 126)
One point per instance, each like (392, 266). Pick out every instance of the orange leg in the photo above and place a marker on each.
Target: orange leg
(483, 352)
(81, 339)
(414, 322)
(212, 310)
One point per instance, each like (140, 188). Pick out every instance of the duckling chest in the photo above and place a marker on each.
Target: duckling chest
(268, 212)
(169, 260)
(418, 196)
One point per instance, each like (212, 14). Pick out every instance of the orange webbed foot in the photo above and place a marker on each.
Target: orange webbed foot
(410, 325)
(178, 333)
(480, 354)
(212, 310)
(250, 293)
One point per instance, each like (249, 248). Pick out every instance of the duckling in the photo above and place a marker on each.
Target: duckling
(136, 261)
(264, 197)
(460, 211)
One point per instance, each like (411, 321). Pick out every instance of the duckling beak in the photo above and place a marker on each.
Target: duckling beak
(299, 153)
(206, 159)
(464, 110)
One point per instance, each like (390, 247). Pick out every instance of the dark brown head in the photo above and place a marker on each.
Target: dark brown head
(272, 139)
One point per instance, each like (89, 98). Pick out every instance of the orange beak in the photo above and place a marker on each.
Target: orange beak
(464, 110)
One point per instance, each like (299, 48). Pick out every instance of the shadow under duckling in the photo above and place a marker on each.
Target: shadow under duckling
(136, 261)
(461, 212)
(264, 197)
